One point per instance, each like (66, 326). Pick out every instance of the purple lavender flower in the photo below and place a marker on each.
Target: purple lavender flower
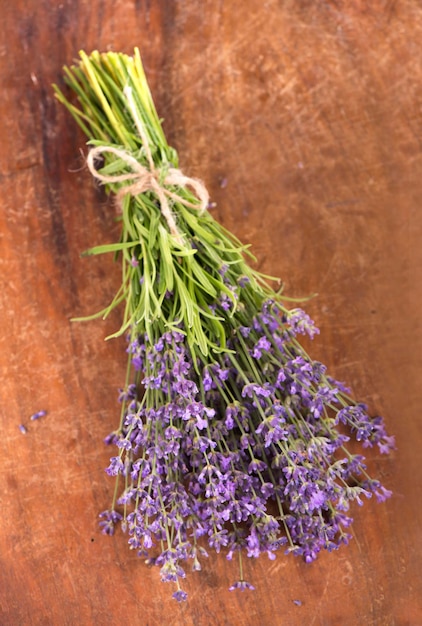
(116, 466)
(109, 519)
(301, 323)
(226, 303)
(180, 595)
(111, 438)
(242, 585)
(252, 389)
(243, 281)
(262, 345)
(38, 414)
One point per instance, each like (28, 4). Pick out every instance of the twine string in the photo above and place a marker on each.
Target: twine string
(143, 178)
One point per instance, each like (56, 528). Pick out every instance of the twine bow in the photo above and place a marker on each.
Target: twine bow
(149, 178)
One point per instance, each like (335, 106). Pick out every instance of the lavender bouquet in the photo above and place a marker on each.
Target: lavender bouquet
(230, 435)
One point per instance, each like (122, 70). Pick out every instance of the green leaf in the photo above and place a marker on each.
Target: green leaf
(167, 260)
(109, 247)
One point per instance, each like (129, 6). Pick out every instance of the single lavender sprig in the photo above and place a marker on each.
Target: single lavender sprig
(230, 435)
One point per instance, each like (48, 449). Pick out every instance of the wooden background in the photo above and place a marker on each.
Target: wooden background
(303, 117)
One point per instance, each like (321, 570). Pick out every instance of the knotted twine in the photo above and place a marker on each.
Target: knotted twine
(148, 178)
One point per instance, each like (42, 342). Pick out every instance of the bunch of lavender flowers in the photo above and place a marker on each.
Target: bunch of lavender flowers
(230, 435)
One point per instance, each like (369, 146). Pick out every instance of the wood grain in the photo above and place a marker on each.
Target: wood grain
(304, 120)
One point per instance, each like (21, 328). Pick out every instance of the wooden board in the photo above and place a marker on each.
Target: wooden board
(304, 120)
